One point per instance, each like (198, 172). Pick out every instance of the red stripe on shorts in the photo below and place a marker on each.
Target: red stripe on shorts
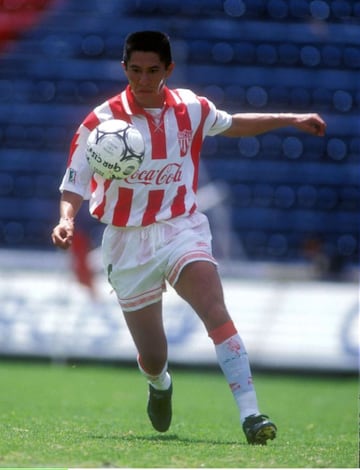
(184, 260)
(141, 300)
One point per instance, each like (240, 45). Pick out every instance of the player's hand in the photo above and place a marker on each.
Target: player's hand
(310, 123)
(62, 235)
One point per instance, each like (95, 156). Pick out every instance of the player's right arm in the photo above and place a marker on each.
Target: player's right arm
(63, 232)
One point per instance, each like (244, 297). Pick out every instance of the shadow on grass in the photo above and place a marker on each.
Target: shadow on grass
(163, 438)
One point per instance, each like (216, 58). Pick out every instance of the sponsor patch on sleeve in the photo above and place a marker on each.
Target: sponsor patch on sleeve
(72, 175)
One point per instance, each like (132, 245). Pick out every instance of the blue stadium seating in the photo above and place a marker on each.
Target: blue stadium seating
(245, 55)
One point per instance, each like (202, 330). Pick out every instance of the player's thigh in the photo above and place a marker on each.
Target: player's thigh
(147, 329)
(200, 285)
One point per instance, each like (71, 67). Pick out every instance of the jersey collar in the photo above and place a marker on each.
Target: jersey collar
(134, 108)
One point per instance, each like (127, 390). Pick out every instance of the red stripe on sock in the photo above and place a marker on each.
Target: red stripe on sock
(223, 332)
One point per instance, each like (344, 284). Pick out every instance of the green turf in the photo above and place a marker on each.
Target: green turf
(94, 416)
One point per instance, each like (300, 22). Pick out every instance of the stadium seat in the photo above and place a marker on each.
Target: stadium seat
(234, 8)
(245, 53)
(257, 96)
(292, 147)
(289, 53)
(46, 186)
(343, 101)
(271, 146)
(210, 147)
(327, 198)
(255, 243)
(6, 90)
(24, 187)
(341, 9)
(263, 195)
(299, 98)
(6, 184)
(222, 52)
(322, 98)
(215, 93)
(14, 135)
(277, 245)
(10, 207)
(255, 8)
(249, 146)
(356, 10)
(266, 54)
(347, 245)
(354, 148)
(13, 233)
(319, 10)
(235, 94)
(242, 195)
(310, 56)
(299, 8)
(200, 51)
(277, 9)
(45, 91)
(331, 55)
(352, 57)
(92, 45)
(284, 197)
(278, 97)
(306, 196)
(37, 233)
(336, 149)
(350, 198)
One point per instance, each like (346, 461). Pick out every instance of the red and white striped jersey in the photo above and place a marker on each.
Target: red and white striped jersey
(165, 185)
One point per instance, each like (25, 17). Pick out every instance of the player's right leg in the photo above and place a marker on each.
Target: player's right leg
(146, 328)
(132, 268)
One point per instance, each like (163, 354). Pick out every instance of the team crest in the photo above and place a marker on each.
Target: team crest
(184, 139)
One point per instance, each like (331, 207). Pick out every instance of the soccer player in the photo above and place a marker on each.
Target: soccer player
(154, 231)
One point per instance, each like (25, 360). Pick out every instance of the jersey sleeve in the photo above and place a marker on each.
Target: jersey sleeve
(222, 122)
(78, 173)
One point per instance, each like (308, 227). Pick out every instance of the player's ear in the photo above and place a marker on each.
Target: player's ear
(123, 64)
(170, 69)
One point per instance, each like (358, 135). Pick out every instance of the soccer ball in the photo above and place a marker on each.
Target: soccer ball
(115, 149)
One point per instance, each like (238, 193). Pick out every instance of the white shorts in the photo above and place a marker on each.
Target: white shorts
(139, 260)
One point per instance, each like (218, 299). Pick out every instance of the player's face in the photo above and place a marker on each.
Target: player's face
(146, 75)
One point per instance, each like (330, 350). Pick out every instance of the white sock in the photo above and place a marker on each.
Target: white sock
(234, 363)
(159, 382)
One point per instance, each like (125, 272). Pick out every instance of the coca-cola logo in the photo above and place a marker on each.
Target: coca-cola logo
(170, 173)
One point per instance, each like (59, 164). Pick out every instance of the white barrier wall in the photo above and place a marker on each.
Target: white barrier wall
(285, 324)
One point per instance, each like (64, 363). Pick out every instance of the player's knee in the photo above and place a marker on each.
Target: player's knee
(215, 315)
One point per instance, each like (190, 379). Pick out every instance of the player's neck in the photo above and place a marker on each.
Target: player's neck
(151, 101)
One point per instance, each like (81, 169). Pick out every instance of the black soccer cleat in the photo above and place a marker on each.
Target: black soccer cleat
(159, 408)
(258, 429)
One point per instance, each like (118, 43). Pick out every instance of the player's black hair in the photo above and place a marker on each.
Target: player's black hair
(148, 41)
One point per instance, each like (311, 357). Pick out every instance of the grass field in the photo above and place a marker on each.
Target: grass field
(94, 416)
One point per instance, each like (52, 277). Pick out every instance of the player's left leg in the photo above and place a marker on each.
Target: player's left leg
(147, 330)
(199, 284)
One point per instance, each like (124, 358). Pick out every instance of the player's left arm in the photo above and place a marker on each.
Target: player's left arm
(251, 124)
